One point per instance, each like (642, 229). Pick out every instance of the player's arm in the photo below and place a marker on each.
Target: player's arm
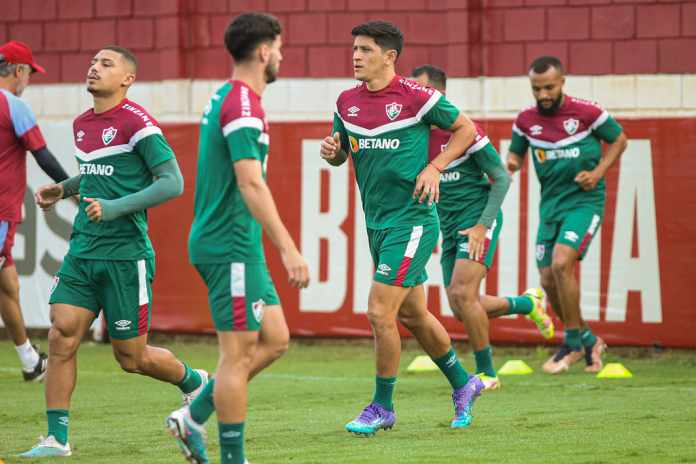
(611, 132)
(518, 148)
(332, 147)
(49, 195)
(49, 164)
(489, 161)
(262, 207)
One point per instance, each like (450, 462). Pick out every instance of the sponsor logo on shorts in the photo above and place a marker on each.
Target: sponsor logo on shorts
(108, 135)
(571, 125)
(571, 236)
(258, 307)
(393, 110)
(123, 324)
(384, 269)
(97, 169)
(561, 153)
(540, 252)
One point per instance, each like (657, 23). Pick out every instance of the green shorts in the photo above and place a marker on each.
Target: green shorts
(238, 294)
(576, 230)
(457, 247)
(400, 254)
(123, 289)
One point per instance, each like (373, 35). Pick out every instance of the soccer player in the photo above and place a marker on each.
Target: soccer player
(19, 133)
(565, 135)
(470, 221)
(233, 204)
(126, 167)
(384, 124)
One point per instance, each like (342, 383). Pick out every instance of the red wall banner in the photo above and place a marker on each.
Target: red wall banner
(635, 282)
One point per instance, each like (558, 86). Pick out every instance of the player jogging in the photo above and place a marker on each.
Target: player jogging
(384, 123)
(232, 206)
(19, 133)
(470, 221)
(126, 167)
(565, 135)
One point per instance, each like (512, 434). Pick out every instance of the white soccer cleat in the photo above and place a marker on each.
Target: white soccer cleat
(46, 448)
(188, 397)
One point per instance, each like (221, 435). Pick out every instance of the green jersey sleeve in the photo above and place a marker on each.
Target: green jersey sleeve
(519, 143)
(489, 161)
(154, 149)
(442, 114)
(341, 129)
(608, 130)
(244, 141)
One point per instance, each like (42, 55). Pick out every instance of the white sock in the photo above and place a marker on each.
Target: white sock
(28, 356)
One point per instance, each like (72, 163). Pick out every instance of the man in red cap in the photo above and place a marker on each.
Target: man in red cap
(19, 133)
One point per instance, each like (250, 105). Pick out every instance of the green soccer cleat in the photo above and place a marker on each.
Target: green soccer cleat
(48, 447)
(539, 315)
(189, 436)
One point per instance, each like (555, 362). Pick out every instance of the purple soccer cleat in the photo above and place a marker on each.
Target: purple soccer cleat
(463, 399)
(371, 419)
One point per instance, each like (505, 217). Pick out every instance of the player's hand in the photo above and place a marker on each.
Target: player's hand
(330, 147)
(94, 209)
(512, 165)
(48, 195)
(428, 185)
(477, 240)
(587, 180)
(297, 267)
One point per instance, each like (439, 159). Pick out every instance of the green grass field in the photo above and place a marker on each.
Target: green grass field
(299, 406)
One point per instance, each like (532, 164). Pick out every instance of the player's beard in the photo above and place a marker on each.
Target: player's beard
(271, 71)
(551, 110)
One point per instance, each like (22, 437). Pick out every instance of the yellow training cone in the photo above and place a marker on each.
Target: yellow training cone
(422, 364)
(515, 367)
(614, 371)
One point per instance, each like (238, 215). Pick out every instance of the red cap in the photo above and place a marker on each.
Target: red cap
(19, 53)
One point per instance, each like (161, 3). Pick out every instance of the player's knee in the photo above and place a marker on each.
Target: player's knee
(463, 297)
(280, 345)
(61, 343)
(379, 319)
(562, 265)
(547, 281)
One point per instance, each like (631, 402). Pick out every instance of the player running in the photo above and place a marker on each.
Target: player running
(126, 167)
(470, 221)
(384, 124)
(232, 206)
(19, 133)
(565, 135)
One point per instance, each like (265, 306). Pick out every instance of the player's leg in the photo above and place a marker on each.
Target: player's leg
(33, 362)
(273, 340)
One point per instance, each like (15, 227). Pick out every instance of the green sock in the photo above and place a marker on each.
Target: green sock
(202, 406)
(384, 391)
(191, 380)
(588, 338)
(484, 362)
(519, 305)
(231, 443)
(450, 366)
(58, 424)
(572, 339)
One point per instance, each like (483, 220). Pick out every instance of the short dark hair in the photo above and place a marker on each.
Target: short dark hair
(436, 76)
(543, 63)
(247, 31)
(125, 53)
(386, 35)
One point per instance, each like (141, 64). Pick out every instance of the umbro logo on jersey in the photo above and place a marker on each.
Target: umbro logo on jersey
(384, 269)
(536, 129)
(571, 125)
(108, 135)
(393, 110)
(80, 135)
(353, 111)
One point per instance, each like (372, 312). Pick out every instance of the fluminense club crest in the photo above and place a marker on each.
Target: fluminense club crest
(393, 110)
(108, 135)
(571, 125)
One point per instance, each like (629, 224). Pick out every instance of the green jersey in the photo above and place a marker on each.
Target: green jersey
(233, 128)
(116, 151)
(563, 144)
(386, 133)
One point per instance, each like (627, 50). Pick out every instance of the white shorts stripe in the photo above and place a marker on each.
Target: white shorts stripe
(237, 281)
(143, 297)
(413, 242)
(593, 225)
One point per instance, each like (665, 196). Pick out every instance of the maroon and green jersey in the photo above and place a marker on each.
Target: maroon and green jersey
(386, 133)
(233, 128)
(562, 145)
(116, 151)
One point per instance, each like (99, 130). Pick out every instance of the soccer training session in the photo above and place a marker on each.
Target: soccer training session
(347, 231)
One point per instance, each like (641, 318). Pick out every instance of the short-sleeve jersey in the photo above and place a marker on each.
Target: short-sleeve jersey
(233, 127)
(464, 187)
(116, 151)
(386, 133)
(19, 133)
(562, 145)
